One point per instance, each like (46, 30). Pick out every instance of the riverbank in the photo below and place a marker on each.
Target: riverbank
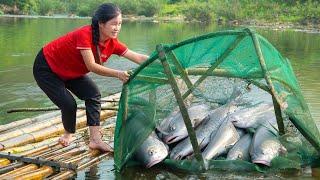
(277, 26)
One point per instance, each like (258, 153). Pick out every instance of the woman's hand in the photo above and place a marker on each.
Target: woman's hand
(123, 76)
(135, 57)
(100, 69)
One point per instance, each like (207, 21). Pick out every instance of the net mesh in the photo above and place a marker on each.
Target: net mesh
(207, 69)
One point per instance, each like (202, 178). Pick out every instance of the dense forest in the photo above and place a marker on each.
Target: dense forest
(300, 11)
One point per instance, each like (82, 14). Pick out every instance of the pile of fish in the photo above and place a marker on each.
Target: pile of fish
(237, 130)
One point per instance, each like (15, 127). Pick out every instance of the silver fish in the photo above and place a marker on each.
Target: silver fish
(203, 132)
(253, 116)
(152, 151)
(265, 145)
(173, 128)
(253, 92)
(221, 141)
(240, 150)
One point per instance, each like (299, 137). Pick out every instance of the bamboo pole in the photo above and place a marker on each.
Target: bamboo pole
(109, 100)
(49, 154)
(40, 173)
(277, 102)
(42, 149)
(4, 162)
(216, 64)
(72, 152)
(31, 147)
(94, 160)
(82, 156)
(63, 175)
(151, 79)
(112, 97)
(52, 155)
(10, 167)
(50, 150)
(183, 73)
(224, 73)
(40, 161)
(70, 173)
(181, 70)
(77, 157)
(59, 148)
(26, 130)
(260, 85)
(20, 170)
(216, 72)
(16, 124)
(35, 127)
(181, 104)
(52, 131)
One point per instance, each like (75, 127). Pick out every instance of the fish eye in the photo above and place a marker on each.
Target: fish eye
(151, 151)
(172, 128)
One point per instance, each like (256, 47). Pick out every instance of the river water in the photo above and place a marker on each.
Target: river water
(21, 39)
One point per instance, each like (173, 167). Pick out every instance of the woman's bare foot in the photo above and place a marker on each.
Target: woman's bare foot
(100, 145)
(66, 139)
(96, 141)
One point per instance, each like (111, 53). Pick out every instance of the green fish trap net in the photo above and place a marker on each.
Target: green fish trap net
(206, 82)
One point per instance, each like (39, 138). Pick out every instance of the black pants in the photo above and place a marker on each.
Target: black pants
(58, 92)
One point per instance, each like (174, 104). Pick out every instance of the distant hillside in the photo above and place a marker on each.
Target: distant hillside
(298, 11)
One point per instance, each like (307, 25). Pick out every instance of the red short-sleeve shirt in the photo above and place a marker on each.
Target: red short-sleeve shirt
(63, 54)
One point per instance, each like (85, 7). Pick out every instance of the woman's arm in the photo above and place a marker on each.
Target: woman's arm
(92, 66)
(135, 57)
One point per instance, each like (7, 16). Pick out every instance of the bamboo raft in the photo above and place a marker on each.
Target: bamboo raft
(29, 148)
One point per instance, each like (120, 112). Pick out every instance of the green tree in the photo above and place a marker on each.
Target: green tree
(46, 7)
(148, 8)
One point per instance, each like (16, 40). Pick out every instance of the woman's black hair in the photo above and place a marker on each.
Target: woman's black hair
(104, 13)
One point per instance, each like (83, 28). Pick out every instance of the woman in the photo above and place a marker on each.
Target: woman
(61, 66)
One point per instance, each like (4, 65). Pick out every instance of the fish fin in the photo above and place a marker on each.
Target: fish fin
(236, 93)
(206, 119)
(272, 128)
(202, 144)
(213, 134)
(196, 122)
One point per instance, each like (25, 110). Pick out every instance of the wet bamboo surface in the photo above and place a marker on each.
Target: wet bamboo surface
(36, 138)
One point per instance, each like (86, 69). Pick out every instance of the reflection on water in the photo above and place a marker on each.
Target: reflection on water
(21, 39)
(104, 170)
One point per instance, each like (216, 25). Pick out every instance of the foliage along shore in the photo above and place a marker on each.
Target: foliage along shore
(275, 14)
(253, 23)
